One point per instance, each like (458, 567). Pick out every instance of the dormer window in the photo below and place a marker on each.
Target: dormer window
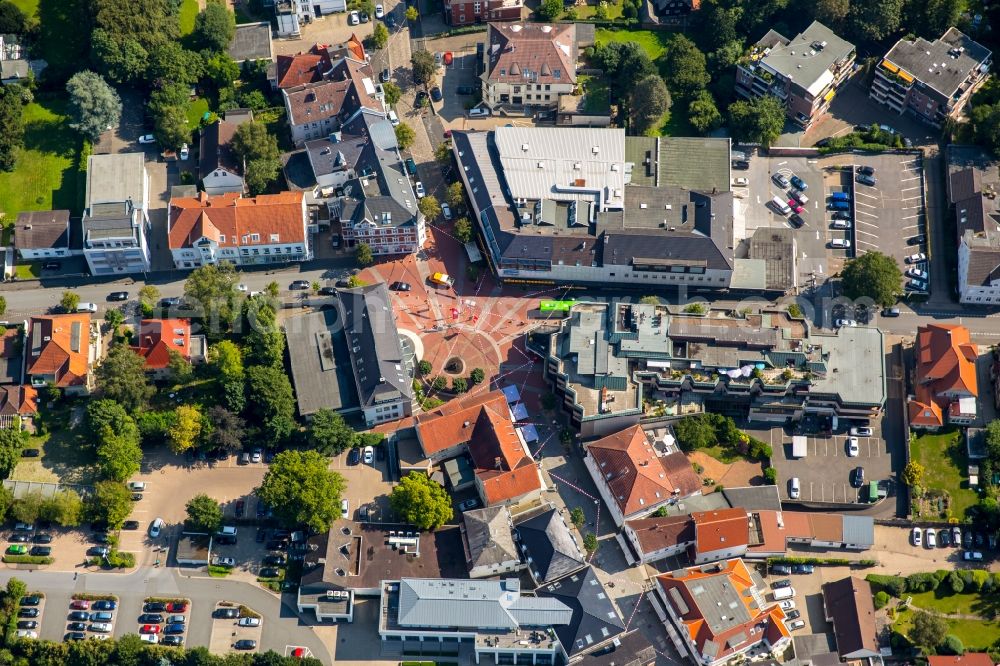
(254, 238)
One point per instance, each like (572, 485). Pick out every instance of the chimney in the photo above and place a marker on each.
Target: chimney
(465, 425)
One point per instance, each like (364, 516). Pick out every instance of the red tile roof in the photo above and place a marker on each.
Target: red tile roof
(156, 338)
(451, 424)
(230, 220)
(20, 400)
(657, 533)
(547, 52)
(63, 343)
(637, 477)
(967, 659)
(946, 364)
(719, 530)
(302, 68)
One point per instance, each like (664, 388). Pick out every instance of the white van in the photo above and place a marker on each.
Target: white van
(86, 307)
(228, 530)
(794, 488)
(479, 112)
(780, 205)
(841, 243)
(137, 486)
(784, 593)
(393, 118)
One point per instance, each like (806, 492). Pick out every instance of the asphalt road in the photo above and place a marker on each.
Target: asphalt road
(281, 626)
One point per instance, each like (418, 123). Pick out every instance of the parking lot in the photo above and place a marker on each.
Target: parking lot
(92, 617)
(227, 631)
(30, 614)
(368, 486)
(164, 621)
(825, 472)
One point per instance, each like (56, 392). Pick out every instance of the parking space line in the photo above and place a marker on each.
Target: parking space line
(867, 233)
(864, 212)
(865, 194)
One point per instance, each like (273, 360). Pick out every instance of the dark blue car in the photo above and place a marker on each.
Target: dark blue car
(174, 629)
(799, 184)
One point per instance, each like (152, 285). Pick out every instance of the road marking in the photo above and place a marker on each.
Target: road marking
(867, 233)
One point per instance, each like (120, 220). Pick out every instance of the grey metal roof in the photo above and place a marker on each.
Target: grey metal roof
(251, 41)
(475, 604)
(488, 534)
(549, 546)
(381, 373)
(856, 365)
(595, 618)
(119, 177)
(754, 498)
(709, 172)
(321, 366)
(936, 64)
(803, 63)
(718, 602)
(859, 530)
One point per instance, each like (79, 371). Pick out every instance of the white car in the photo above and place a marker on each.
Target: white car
(345, 509)
(100, 627)
(841, 224)
(420, 190)
(917, 536)
(27, 633)
(852, 447)
(369, 455)
(850, 323)
(446, 211)
(154, 529)
(149, 638)
(798, 624)
(147, 138)
(741, 181)
(916, 273)
(223, 562)
(916, 258)
(840, 243)
(185, 152)
(787, 604)
(137, 486)
(249, 622)
(930, 538)
(257, 456)
(379, 11)
(863, 431)
(353, 18)
(968, 555)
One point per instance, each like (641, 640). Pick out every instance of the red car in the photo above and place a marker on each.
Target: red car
(80, 604)
(177, 608)
(299, 653)
(447, 134)
(149, 629)
(795, 205)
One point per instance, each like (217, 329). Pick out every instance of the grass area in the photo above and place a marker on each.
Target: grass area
(675, 123)
(28, 271)
(218, 572)
(29, 7)
(62, 458)
(974, 634)
(588, 11)
(186, 16)
(46, 177)
(947, 602)
(723, 454)
(653, 43)
(596, 97)
(943, 458)
(196, 110)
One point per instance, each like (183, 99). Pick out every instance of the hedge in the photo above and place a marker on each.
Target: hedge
(166, 600)
(820, 561)
(85, 596)
(246, 611)
(27, 559)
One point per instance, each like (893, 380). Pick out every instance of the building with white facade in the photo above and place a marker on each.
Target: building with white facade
(267, 229)
(316, 110)
(43, 234)
(528, 64)
(116, 216)
(292, 15)
(220, 169)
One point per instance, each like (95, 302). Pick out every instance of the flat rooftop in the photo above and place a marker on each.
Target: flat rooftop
(808, 57)
(944, 64)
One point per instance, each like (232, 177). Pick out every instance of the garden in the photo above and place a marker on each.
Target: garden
(943, 492)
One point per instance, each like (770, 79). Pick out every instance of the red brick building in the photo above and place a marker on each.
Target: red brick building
(467, 12)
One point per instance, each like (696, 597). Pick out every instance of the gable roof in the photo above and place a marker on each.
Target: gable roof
(946, 362)
(659, 532)
(595, 618)
(216, 146)
(21, 400)
(638, 478)
(59, 346)
(488, 536)
(549, 546)
(229, 219)
(476, 604)
(452, 423)
(156, 338)
(967, 659)
(346, 88)
(849, 604)
(528, 52)
(42, 229)
(720, 530)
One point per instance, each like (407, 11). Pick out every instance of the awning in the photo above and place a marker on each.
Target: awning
(518, 411)
(827, 97)
(512, 394)
(528, 433)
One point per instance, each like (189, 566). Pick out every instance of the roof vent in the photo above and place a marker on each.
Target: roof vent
(465, 425)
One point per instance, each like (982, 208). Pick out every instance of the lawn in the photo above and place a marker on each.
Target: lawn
(588, 11)
(28, 271)
(63, 457)
(974, 634)
(943, 458)
(186, 16)
(29, 7)
(46, 177)
(948, 604)
(195, 111)
(675, 123)
(653, 43)
(724, 454)
(595, 90)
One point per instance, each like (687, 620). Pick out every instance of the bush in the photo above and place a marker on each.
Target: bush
(770, 476)
(795, 311)
(477, 376)
(424, 367)
(953, 645)
(459, 385)
(894, 585)
(590, 542)
(955, 582)
(922, 582)
(881, 599)
(440, 383)
(86, 596)
(816, 561)
(694, 308)
(27, 559)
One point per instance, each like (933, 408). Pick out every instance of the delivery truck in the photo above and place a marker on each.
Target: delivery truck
(442, 280)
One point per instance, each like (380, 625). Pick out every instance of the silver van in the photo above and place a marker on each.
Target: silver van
(794, 488)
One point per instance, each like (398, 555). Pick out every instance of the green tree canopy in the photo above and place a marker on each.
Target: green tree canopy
(424, 67)
(265, 342)
(70, 301)
(122, 378)
(203, 514)
(106, 413)
(229, 429)
(94, 105)
(760, 120)
(363, 254)
(405, 136)
(186, 429)
(392, 92)
(623, 65)
(873, 275)
(380, 36)
(549, 10)
(121, 58)
(703, 114)
(12, 101)
(685, 67)
(12, 20)
(119, 455)
(111, 502)
(874, 20)
(168, 107)
(913, 473)
(28, 507)
(271, 401)
(171, 63)
(215, 26)
(329, 433)
(227, 359)
(12, 441)
(64, 508)
(462, 230)
(211, 290)
(302, 490)
(928, 630)
(421, 501)
(429, 207)
(258, 148)
(695, 432)
(650, 101)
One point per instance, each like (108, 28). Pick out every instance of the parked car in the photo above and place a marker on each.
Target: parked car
(369, 455)
(41, 551)
(858, 476)
(226, 613)
(149, 629)
(100, 627)
(174, 629)
(353, 457)
(840, 243)
(919, 239)
(799, 184)
(972, 555)
(146, 139)
(353, 18)
(20, 538)
(796, 206)
(465, 90)
(345, 509)
(796, 220)
(943, 538)
(223, 562)
(130, 525)
(780, 180)
(781, 570)
(299, 285)
(866, 170)
(271, 572)
(173, 640)
(778, 584)
(419, 187)
(841, 215)
(79, 616)
(118, 296)
(154, 607)
(916, 258)
(916, 285)
(956, 536)
(249, 622)
(862, 431)
(245, 644)
(379, 11)
(185, 152)
(27, 624)
(149, 638)
(176, 607)
(26, 633)
(852, 447)
(150, 618)
(794, 488)
(796, 624)
(469, 504)
(27, 612)
(17, 549)
(930, 538)
(841, 224)
(865, 179)
(76, 626)
(155, 527)
(802, 568)
(274, 560)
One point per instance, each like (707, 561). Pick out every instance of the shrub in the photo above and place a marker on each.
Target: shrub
(459, 385)
(795, 311)
(86, 596)
(881, 599)
(694, 308)
(477, 376)
(953, 645)
(770, 476)
(955, 582)
(27, 559)
(894, 585)
(921, 582)
(590, 542)
(424, 367)
(440, 383)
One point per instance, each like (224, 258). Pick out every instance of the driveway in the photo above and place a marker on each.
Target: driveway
(330, 29)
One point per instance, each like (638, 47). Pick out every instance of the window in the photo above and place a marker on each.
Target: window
(222, 238)
(548, 87)
(274, 238)
(477, 7)
(254, 238)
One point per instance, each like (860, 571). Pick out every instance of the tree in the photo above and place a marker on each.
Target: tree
(459, 385)
(265, 342)
(212, 290)
(363, 254)
(455, 195)
(685, 67)
(440, 383)
(15, 590)
(421, 501)
(215, 26)
(179, 367)
(171, 63)
(442, 154)
(94, 105)
(623, 65)
(412, 14)
(703, 115)
(186, 429)
(549, 10)
(650, 101)
(229, 428)
(203, 514)
(760, 120)
(928, 630)
(12, 20)
(121, 58)
(108, 414)
(12, 441)
(227, 359)
(477, 376)
(875, 20)
(462, 230)
(695, 432)
(985, 120)
(119, 455)
(70, 301)
(424, 367)
(114, 319)
(222, 69)
(258, 149)
(380, 36)
(577, 517)
(302, 490)
(953, 644)
(122, 378)
(590, 543)
(874, 275)
(12, 103)
(6, 502)
(354, 281)
(424, 66)
(830, 12)
(28, 508)
(329, 433)
(405, 136)
(169, 112)
(64, 507)
(429, 207)
(110, 503)
(392, 92)
(271, 401)
(912, 474)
